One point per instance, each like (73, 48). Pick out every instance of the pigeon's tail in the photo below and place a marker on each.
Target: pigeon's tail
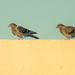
(34, 36)
(31, 32)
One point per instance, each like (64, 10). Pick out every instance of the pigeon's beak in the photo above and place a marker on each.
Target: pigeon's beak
(56, 27)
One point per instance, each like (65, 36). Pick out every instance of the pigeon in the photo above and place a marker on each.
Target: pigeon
(67, 31)
(21, 32)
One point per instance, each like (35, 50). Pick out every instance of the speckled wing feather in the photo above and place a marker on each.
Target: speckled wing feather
(69, 29)
(24, 30)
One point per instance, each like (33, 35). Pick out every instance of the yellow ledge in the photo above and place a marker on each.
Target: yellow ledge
(37, 57)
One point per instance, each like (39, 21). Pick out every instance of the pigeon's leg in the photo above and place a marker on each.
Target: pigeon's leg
(19, 38)
(22, 38)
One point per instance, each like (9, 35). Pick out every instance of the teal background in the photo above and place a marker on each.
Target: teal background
(41, 16)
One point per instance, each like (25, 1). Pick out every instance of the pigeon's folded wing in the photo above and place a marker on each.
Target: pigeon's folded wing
(24, 30)
(69, 29)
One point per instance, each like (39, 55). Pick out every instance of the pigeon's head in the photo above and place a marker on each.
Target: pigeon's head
(59, 26)
(12, 24)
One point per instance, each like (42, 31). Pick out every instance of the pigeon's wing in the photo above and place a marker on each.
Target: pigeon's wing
(25, 30)
(69, 29)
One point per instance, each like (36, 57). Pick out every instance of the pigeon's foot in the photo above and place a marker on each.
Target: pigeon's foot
(69, 38)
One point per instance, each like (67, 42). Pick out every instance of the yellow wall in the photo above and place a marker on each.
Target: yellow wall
(37, 57)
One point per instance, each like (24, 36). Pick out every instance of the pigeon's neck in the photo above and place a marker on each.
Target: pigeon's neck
(13, 28)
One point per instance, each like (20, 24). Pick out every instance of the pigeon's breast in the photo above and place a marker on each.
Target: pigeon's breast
(64, 33)
(17, 33)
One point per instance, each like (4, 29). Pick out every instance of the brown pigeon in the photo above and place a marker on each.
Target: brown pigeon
(67, 31)
(21, 31)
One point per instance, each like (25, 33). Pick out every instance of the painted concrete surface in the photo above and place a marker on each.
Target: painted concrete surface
(37, 57)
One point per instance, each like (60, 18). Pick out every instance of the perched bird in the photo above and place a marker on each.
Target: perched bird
(67, 31)
(21, 31)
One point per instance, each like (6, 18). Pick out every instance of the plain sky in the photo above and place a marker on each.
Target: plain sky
(41, 16)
